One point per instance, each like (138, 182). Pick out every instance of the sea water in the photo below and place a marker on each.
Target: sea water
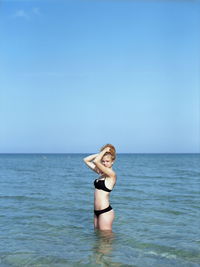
(46, 211)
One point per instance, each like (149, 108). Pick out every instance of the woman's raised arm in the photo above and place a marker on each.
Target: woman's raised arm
(88, 160)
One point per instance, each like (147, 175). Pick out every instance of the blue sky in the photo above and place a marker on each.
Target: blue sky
(78, 74)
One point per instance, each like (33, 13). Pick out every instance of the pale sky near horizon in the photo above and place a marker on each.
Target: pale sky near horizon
(78, 74)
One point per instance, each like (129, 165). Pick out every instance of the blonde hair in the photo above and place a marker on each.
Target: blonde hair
(112, 151)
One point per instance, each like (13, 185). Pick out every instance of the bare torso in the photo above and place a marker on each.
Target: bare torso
(101, 197)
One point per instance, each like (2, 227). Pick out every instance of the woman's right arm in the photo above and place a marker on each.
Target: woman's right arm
(88, 160)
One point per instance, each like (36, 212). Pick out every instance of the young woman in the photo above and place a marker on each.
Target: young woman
(102, 164)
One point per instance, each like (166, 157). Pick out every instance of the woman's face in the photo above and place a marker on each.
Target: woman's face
(107, 161)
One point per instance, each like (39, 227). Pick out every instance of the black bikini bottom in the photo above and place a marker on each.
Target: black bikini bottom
(98, 212)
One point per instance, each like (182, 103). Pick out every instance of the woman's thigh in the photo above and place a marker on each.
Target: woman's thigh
(105, 220)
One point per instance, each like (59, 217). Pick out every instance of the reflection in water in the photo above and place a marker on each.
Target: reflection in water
(103, 245)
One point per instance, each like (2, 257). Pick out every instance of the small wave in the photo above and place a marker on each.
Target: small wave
(164, 255)
(22, 198)
(33, 259)
(174, 212)
(23, 170)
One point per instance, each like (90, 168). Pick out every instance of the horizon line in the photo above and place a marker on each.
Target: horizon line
(30, 153)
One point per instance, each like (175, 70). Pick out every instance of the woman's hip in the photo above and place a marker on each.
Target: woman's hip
(98, 212)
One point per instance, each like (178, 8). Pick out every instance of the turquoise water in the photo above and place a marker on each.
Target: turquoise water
(46, 211)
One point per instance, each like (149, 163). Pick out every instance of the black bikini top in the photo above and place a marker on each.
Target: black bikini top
(100, 184)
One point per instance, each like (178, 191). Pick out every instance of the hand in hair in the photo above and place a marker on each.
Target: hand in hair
(106, 149)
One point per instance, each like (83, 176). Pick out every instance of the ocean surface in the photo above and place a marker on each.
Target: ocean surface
(46, 211)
